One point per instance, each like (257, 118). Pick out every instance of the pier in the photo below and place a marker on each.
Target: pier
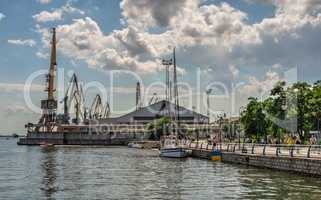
(303, 159)
(107, 135)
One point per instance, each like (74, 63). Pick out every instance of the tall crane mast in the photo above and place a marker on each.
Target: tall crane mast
(49, 105)
(53, 64)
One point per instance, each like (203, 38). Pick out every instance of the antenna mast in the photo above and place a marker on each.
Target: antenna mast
(167, 64)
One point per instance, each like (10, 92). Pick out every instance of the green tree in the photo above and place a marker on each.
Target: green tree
(277, 109)
(315, 105)
(253, 120)
(159, 127)
(304, 98)
(295, 109)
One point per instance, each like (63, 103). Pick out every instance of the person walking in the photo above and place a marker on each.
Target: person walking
(313, 140)
(297, 142)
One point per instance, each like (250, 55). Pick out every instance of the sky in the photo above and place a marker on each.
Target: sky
(238, 48)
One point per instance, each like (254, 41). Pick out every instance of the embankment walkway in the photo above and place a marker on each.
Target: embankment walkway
(304, 159)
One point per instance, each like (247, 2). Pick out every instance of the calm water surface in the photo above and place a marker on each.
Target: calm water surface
(121, 173)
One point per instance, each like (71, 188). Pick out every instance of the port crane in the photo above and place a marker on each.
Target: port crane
(47, 121)
(79, 113)
(74, 94)
(96, 108)
(154, 99)
(106, 111)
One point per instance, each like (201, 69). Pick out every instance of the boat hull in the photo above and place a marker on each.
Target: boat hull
(173, 153)
(135, 145)
(216, 155)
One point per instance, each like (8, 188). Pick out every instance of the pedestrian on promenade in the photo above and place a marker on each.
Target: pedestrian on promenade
(214, 141)
(297, 142)
(313, 140)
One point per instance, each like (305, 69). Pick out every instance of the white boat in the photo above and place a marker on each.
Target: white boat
(46, 145)
(171, 149)
(135, 145)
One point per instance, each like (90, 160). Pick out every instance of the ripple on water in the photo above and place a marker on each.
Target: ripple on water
(121, 173)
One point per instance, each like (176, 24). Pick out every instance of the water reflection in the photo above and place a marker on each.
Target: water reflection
(48, 167)
(121, 173)
(174, 177)
(271, 184)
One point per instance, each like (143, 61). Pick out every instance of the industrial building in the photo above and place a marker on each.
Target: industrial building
(157, 110)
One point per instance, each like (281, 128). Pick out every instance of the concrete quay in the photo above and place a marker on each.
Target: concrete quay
(116, 138)
(310, 166)
(297, 159)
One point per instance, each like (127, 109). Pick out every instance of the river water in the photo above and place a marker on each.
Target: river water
(30, 172)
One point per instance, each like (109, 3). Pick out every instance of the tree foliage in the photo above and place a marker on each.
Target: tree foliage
(294, 109)
(159, 127)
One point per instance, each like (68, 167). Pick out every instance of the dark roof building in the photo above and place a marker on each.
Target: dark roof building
(155, 111)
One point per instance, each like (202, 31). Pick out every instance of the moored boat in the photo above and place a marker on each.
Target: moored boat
(136, 145)
(46, 145)
(173, 153)
(171, 149)
(169, 145)
(216, 155)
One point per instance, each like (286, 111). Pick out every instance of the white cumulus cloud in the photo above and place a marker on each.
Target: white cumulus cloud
(19, 87)
(146, 13)
(26, 42)
(138, 49)
(14, 109)
(57, 14)
(44, 1)
(84, 40)
(2, 16)
(217, 35)
(42, 55)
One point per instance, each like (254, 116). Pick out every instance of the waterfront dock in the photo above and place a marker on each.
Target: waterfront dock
(304, 159)
(70, 138)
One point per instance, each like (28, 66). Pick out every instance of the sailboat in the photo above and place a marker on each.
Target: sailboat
(171, 149)
(169, 146)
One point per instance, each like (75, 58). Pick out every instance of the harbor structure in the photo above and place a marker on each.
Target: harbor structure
(94, 125)
(156, 111)
(49, 105)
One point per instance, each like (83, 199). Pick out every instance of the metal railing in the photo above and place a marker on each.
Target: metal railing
(293, 151)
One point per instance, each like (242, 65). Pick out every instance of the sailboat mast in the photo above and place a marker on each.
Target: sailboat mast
(176, 90)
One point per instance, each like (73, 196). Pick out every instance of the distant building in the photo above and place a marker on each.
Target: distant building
(230, 126)
(157, 110)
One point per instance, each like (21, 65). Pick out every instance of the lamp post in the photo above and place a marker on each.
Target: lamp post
(283, 108)
(220, 133)
(167, 64)
(239, 131)
(208, 92)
